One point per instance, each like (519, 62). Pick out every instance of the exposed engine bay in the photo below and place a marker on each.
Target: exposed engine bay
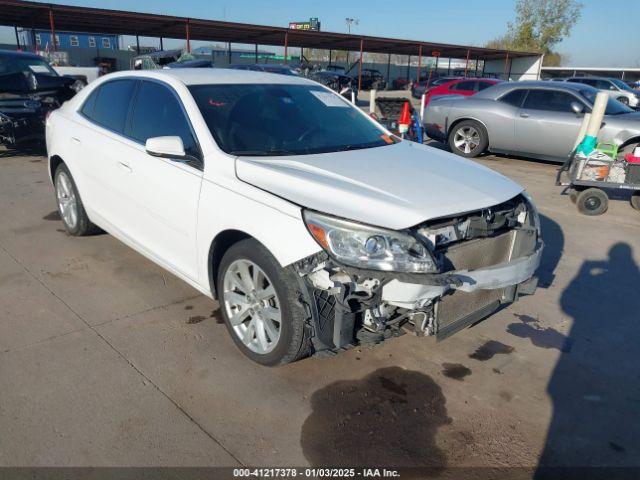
(484, 259)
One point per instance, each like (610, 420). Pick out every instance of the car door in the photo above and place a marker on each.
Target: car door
(546, 125)
(102, 150)
(163, 193)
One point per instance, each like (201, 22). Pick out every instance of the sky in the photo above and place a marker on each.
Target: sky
(599, 39)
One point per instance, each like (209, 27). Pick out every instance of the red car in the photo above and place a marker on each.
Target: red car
(460, 86)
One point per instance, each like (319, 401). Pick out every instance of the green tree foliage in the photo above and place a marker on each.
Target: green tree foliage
(539, 27)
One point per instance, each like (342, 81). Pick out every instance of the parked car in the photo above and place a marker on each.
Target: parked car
(336, 69)
(616, 88)
(29, 89)
(370, 79)
(342, 84)
(312, 225)
(462, 87)
(533, 119)
(267, 67)
(420, 87)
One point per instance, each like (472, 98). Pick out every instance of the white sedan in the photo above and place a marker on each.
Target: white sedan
(314, 227)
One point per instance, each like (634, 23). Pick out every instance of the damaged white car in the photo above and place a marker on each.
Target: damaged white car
(314, 227)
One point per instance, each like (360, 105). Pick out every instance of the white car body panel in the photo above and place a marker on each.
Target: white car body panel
(358, 184)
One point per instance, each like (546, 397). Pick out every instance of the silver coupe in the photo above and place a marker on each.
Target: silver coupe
(531, 119)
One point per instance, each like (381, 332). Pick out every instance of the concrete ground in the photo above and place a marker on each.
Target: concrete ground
(107, 360)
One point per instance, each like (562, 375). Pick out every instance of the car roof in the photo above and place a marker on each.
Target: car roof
(13, 53)
(501, 88)
(210, 76)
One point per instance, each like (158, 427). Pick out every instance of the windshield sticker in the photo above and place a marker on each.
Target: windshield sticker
(39, 69)
(329, 99)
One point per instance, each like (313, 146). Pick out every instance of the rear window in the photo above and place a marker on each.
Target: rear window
(466, 86)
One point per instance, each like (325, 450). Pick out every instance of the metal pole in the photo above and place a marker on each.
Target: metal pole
(419, 62)
(360, 65)
(509, 73)
(229, 52)
(53, 29)
(17, 38)
(437, 61)
(476, 71)
(388, 67)
(161, 45)
(301, 54)
(466, 66)
(286, 45)
(188, 36)
(256, 53)
(506, 61)
(408, 67)
(330, 52)
(449, 67)
(484, 64)
(137, 45)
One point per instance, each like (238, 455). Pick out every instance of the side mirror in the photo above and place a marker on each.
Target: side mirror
(166, 147)
(577, 108)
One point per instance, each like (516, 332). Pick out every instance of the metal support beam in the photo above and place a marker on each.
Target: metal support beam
(476, 71)
(286, 45)
(330, 52)
(466, 66)
(52, 25)
(437, 61)
(506, 63)
(15, 29)
(161, 45)
(408, 67)
(388, 67)
(419, 62)
(188, 33)
(256, 53)
(449, 67)
(137, 45)
(360, 65)
(229, 53)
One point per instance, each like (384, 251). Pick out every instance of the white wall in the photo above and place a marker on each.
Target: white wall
(522, 68)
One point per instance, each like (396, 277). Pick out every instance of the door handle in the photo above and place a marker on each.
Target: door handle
(125, 167)
(525, 115)
(76, 140)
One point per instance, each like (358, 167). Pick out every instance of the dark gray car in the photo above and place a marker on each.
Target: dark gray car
(532, 119)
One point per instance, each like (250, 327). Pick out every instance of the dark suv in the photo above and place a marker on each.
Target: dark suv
(371, 79)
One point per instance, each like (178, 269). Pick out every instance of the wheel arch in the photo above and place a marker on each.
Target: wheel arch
(465, 118)
(218, 247)
(54, 162)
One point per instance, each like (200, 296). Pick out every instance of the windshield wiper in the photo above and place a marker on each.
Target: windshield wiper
(262, 153)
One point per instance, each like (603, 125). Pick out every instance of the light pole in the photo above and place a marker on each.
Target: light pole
(349, 22)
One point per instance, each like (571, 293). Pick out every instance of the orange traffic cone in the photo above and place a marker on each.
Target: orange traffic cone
(405, 119)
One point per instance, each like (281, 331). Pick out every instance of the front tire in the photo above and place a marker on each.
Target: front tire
(259, 303)
(468, 139)
(70, 206)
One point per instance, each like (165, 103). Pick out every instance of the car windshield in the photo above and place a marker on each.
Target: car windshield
(267, 119)
(614, 107)
(621, 85)
(19, 64)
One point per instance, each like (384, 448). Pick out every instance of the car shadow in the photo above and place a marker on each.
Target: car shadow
(595, 385)
(24, 151)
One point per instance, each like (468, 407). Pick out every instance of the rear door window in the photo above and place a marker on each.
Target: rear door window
(549, 100)
(514, 97)
(158, 113)
(111, 104)
(483, 85)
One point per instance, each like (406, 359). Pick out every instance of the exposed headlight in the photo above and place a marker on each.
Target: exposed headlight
(369, 247)
(533, 210)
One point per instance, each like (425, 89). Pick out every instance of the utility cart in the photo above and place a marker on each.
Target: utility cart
(589, 192)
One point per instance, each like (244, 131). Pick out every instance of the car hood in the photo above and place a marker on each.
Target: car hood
(396, 186)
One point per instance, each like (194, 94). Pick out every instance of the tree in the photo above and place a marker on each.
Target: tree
(540, 26)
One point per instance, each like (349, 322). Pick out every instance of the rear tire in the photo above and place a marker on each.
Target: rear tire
(70, 206)
(468, 139)
(592, 201)
(260, 305)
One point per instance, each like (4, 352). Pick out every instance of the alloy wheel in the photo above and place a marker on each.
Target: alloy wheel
(252, 306)
(67, 201)
(466, 139)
